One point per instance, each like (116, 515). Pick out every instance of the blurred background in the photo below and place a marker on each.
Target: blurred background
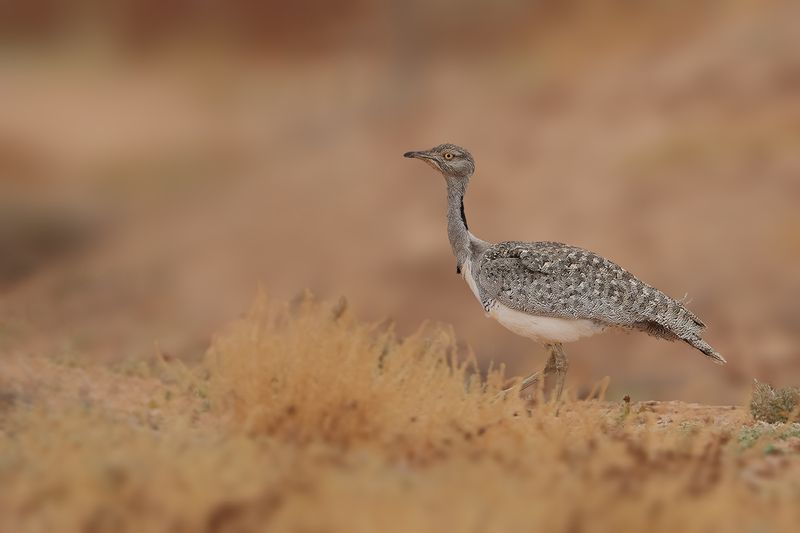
(161, 158)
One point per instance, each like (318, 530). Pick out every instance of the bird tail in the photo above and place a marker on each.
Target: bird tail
(706, 348)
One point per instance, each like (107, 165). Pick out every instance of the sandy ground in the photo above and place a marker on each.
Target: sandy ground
(311, 421)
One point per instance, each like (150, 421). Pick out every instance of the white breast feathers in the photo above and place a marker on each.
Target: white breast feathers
(543, 329)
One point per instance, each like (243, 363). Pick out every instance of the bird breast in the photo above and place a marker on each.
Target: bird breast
(545, 329)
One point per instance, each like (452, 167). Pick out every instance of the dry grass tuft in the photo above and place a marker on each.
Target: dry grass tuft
(775, 405)
(312, 372)
(305, 419)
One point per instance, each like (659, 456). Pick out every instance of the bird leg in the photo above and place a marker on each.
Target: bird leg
(527, 387)
(557, 365)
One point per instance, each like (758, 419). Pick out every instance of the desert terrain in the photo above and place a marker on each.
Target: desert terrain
(163, 168)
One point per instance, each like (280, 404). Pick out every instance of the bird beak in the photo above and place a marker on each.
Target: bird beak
(426, 157)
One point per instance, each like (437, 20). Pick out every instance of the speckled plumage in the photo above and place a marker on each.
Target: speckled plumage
(558, 280)
(551, 291)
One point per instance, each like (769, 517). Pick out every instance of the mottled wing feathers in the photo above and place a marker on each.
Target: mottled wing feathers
(554, 279)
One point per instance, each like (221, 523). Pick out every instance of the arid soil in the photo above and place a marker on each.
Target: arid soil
(306, 419)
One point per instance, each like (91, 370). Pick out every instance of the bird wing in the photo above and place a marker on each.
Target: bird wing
(558, 280)
(555, 279)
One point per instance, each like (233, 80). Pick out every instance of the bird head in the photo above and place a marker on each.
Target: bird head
(451, 160)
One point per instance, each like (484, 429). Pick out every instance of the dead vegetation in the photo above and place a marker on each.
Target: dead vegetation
(775, 405)
(303, 418)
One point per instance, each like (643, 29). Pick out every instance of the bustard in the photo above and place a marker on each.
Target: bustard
(549, 291)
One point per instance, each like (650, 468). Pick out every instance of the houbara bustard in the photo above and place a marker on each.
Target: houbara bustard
(549, 291)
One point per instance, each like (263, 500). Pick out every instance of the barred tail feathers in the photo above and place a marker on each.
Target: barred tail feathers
(706, 348)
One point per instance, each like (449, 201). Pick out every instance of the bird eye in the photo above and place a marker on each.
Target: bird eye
(448, 156)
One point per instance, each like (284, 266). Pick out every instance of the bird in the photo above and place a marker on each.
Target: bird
(552, 292)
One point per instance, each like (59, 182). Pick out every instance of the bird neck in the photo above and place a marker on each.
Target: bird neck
(457, 230)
